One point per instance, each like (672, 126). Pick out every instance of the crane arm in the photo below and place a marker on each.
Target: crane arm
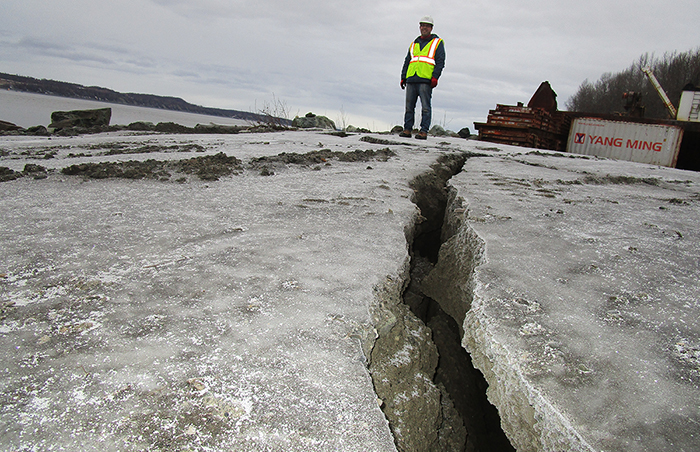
(662, 93)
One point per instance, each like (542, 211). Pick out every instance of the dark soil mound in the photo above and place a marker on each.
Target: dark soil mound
(210, 167)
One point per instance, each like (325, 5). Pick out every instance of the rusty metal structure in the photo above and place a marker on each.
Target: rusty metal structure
(539, 125)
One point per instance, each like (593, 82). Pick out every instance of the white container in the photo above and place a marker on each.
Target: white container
(689, 108)
(656, 144)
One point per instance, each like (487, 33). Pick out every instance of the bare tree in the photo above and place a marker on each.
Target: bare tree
(342, 119)
(274, 114)
(673, 70)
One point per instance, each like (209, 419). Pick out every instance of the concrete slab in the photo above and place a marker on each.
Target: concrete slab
(225, 315)
(247, 313)
(584, 302)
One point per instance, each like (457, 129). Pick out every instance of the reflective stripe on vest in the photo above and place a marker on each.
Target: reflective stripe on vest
(422, 63)
(430, 57)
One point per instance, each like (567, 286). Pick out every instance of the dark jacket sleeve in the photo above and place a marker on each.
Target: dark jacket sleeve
(406, 60)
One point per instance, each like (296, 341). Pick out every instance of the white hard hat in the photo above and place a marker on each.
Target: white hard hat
(426, 20)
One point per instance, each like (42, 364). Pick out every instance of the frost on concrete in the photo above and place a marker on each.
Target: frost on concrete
(176, 313)
(582, 308)
(183, 314)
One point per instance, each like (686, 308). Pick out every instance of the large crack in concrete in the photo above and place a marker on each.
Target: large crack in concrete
(431, 395)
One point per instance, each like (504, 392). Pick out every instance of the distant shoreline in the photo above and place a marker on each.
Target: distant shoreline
(27, 110)
(20, 83)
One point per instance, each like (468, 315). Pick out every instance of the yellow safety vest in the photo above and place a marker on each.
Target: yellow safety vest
(423, 60)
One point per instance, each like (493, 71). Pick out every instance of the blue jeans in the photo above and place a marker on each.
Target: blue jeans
(413, 92)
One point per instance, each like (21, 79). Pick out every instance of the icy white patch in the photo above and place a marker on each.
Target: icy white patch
(585, 307)
(125, 290)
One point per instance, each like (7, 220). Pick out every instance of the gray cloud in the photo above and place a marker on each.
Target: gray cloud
(324, 56)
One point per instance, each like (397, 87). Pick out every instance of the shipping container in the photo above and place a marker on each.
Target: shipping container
(656, 144)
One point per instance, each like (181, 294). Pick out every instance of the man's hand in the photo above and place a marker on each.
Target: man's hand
(433, 82)
(403, 83)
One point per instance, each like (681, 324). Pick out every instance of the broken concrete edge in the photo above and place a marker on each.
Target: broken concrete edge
(451, 283)
(401, 357)
(528, 419)
(402, 360)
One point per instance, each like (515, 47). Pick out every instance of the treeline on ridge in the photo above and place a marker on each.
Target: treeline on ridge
(674, 71)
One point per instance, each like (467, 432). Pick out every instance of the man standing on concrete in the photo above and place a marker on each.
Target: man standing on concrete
(420, 73)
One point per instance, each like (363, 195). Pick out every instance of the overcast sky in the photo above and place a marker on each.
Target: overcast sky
(339, 59)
